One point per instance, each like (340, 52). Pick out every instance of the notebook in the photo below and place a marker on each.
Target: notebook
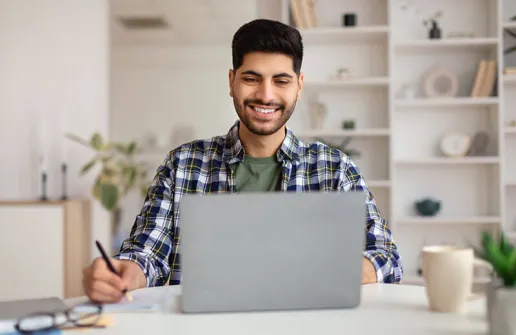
(12, 310)
(15, 309)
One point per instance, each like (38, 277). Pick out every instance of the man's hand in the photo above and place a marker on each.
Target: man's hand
(368, 272)
(101, 285)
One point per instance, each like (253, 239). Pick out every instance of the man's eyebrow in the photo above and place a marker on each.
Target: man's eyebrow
(279, 75)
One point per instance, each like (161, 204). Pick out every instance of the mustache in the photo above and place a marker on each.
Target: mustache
(263, 103)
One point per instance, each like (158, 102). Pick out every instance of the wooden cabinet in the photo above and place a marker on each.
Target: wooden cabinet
(43, 248)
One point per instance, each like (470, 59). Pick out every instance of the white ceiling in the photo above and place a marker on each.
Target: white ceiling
(192, 21)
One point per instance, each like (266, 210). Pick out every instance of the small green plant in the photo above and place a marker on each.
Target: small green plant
(119, 173)
(501, 254)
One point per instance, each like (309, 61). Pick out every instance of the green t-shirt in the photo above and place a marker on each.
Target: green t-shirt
(258, 174)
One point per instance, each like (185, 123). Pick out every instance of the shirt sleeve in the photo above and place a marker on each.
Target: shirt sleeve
(380, 248)
(151, 237)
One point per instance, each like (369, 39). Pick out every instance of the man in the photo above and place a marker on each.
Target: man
(259, 153)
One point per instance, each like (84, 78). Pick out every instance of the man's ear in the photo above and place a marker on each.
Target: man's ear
(300, 84)
(231, 77)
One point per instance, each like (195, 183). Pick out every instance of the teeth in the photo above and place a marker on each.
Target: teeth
(262, 110)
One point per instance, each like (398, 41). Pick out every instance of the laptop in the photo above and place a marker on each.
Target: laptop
(246, 252)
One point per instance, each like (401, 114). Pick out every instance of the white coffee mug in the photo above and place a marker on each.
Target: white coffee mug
(448, 276)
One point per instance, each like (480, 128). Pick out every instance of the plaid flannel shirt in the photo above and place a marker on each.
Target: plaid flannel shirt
(207, 166)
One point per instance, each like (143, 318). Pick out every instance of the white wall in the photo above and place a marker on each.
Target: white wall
(54, 62)
(156, 89)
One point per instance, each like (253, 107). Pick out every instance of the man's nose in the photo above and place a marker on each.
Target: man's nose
(265, 92)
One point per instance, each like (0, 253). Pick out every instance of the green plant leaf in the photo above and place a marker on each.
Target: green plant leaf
(109, 195)
(77, 139)
(96, 188)
(505, 246)
(512, 262)
(133, 173)
(497, 259)
(131, 148)
(96, 141)
(88, 166)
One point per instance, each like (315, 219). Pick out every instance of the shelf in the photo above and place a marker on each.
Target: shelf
(368, 132)
(475, 42)
(443, 102)
(449, 160)
(509, 25)
(333, 34)
(510, 79)
(378, 183)
(510, 184)
(358, 81)
(450, 220)
(510, 130)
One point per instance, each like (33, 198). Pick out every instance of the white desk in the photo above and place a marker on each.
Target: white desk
(385, 309)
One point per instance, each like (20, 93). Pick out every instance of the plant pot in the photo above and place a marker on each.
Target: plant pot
(501, 309)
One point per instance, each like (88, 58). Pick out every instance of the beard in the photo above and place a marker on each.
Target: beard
(263, 128)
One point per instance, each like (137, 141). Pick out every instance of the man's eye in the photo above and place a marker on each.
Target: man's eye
(282, 82)
(250, 80)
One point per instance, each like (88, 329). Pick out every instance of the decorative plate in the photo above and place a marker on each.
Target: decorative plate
(455, 145)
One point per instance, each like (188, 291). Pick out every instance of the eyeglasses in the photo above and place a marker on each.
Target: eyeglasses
(79, 316)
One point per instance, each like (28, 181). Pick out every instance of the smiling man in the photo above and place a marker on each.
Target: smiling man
(258, 154)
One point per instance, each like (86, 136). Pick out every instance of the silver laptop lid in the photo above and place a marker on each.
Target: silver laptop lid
(271, 251)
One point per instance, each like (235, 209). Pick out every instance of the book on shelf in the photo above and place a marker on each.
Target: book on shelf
(303, 13)
(511, 70)
(485, 79)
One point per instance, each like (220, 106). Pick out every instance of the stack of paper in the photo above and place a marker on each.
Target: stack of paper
(153, 299)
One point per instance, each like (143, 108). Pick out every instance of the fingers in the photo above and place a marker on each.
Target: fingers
(100, 284)
(100, 272)
(103, 292)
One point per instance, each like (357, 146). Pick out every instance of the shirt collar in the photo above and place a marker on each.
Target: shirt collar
(234, 151)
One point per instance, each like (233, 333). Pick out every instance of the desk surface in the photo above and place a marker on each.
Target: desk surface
(384, 309)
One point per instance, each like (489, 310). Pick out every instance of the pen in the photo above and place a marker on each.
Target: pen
(112, 268)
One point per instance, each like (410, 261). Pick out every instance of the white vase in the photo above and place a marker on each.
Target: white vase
(507, 299)
(501, 305)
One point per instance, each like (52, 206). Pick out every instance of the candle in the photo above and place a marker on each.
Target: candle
(43, 142)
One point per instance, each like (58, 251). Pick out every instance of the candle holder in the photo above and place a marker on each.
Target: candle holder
(43, 187)
(64, 195)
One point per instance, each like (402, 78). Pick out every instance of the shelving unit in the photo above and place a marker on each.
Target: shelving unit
(419, 44)
(443, 102)
(398, 137)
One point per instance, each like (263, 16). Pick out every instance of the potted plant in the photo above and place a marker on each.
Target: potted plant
(501, 293)
(120, 172)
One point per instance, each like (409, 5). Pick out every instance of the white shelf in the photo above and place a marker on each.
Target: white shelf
(335, 34)
(378, 183)
(510, 130)
(450, 220)
(474, 42)
(510, 79)
(510, 184)
(509, 25)
(449, 161)
(442, 102)
(367, 132)
(350, 82)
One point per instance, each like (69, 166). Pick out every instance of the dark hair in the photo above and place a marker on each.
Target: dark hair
(267, 36)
